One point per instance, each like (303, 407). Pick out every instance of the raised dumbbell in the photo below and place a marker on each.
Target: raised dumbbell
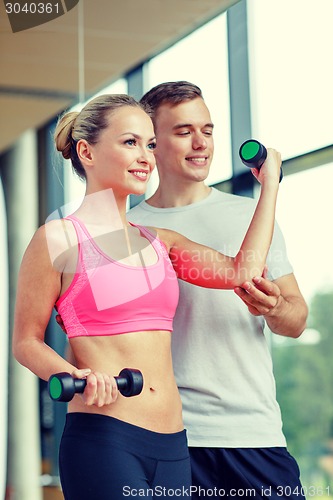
(253, 154)
(63, 387)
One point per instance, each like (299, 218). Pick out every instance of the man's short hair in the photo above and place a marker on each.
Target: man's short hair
(172, 93)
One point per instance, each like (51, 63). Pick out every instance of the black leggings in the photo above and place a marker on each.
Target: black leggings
(102, 458)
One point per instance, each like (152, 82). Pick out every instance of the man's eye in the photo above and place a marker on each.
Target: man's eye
(184, 132)
(208, 132)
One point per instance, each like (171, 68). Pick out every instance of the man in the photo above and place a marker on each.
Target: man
(221, 360)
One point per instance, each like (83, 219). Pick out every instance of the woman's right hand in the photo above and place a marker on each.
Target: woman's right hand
(270, 169)
(101, 388)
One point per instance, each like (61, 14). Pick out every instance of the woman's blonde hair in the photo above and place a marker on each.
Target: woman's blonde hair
(88, 124)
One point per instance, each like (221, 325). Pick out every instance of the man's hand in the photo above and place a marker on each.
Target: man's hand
(280, 302)
(261, 296)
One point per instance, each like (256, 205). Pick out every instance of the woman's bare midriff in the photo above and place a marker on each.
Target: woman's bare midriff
(158, 407)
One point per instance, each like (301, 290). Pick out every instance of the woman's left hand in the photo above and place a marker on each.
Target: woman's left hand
(270, 169)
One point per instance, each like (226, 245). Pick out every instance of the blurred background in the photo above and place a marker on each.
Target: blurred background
(264, 67)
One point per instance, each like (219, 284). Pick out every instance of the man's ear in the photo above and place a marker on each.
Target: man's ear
(84, 152)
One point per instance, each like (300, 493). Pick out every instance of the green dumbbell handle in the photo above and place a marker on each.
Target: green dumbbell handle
(63, 387)
(253, 154)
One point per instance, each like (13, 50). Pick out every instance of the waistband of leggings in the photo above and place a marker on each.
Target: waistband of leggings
(129, 437)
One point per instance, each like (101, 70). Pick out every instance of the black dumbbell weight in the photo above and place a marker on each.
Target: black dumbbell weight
(253, 154)
(63, 387)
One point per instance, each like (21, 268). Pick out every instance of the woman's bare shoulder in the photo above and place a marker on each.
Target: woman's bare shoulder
(53, 241)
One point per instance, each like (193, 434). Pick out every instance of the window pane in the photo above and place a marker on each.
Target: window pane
(305, 211)
(290, 51)
(201, 58)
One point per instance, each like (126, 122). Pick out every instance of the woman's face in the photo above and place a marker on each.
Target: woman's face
(123, 158)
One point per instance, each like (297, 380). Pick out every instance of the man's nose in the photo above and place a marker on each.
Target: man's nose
(199, 142)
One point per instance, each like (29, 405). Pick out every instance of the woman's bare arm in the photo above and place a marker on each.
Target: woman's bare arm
(38, 288)
(203, 266)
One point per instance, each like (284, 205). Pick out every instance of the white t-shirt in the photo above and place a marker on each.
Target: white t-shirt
(221, 358)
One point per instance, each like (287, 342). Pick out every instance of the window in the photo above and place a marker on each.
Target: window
(303, 367)
(202, 59)
(291, 84)
(290, 49)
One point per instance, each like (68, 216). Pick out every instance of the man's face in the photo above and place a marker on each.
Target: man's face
(184, 141)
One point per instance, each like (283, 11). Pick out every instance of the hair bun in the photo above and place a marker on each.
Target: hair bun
(63, 134)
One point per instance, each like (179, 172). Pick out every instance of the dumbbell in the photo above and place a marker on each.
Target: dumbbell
(63, 387)
(253, 154)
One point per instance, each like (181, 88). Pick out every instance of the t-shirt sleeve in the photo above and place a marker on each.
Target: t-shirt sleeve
(277, 259)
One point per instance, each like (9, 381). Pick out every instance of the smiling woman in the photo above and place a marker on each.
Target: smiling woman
(116, 291)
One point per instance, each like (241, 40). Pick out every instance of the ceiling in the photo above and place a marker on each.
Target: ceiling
(40, 72)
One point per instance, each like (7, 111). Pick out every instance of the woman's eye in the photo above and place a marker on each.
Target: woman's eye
(152, 145)
(131, 142)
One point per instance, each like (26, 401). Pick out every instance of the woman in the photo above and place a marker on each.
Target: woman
(115, 286)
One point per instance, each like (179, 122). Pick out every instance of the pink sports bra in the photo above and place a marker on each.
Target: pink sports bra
(107, 297)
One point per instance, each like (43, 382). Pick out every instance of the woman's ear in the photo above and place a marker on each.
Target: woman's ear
(83, 150)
